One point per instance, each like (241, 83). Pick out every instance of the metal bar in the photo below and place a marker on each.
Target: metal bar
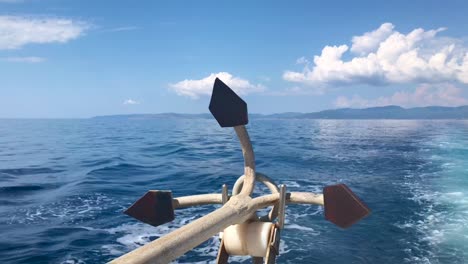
(270, 257)
(282, 206)
(291, 198)
(223, 256)
(225, 194)
(195, 200)
(214, 198)
(304, 198)
(249, 159)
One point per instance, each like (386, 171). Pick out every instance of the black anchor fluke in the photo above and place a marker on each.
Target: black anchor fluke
(227, 107)
(342, 206)
(154, 208)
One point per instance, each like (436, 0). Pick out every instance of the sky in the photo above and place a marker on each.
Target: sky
(78, 59)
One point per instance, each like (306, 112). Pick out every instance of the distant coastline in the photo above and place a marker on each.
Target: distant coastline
(384, 112)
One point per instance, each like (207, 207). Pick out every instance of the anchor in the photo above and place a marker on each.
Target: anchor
(241, 230)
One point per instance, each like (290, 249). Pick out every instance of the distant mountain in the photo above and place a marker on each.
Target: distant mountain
(155, 116)
(392, 112)
(384, 112)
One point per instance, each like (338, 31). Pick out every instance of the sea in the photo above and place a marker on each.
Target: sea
(65, 183)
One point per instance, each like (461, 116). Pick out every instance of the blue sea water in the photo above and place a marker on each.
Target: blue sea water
(65, 183)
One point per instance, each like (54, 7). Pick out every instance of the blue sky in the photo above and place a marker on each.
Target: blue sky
(74, 59)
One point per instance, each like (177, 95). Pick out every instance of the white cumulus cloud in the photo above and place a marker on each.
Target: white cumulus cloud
(131, 102)
(204, 86)
(370, 41)
(30, 59)
(386, 56)
(424, 95)
(17, 31)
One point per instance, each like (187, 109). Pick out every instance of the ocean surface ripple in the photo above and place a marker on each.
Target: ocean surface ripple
(65, 183)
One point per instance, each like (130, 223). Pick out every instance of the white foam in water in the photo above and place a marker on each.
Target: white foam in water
(68, 209)
(135, 235)
(132, 236)
(306, 211)
(443, 197)
(302, 228)
(113, 250)
(293, 184)
(306, 184)
(71, 260)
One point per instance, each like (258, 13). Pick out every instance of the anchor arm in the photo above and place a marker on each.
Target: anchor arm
(231, 111)
(291, 198)
(304, 198)
(249, 159)
(197, 200)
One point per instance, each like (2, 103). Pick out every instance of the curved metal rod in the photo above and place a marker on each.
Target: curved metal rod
(249, 159)
(260, 177)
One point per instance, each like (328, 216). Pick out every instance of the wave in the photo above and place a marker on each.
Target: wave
(30, 171)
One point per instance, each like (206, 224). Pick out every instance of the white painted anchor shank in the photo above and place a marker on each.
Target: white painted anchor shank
(176, 243)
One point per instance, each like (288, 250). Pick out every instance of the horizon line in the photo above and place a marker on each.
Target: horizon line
(277, 113)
